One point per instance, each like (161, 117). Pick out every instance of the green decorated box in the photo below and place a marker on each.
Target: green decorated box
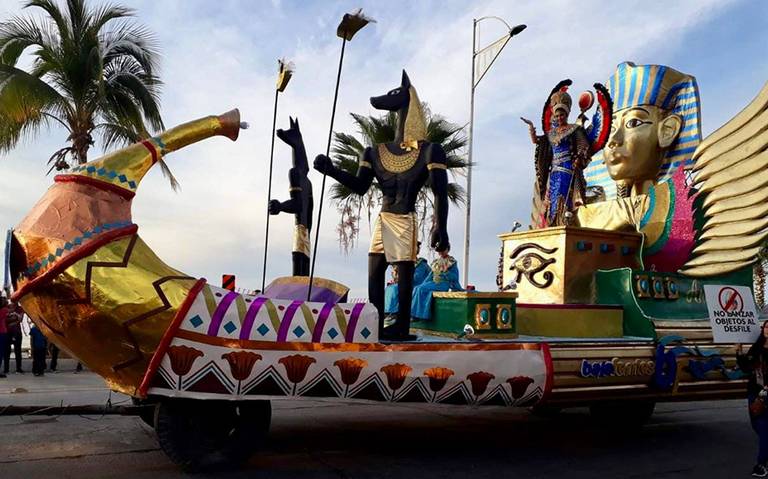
(489, 313)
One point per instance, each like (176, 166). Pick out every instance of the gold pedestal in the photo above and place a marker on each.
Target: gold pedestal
(556, 265)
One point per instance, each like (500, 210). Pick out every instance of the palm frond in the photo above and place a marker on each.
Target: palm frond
(100, 64)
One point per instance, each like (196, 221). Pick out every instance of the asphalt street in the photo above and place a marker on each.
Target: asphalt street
(314, 439)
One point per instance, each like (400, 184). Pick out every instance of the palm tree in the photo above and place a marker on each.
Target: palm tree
(347, 150)
(92, 72)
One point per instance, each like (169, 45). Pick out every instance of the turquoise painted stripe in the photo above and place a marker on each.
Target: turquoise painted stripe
(644, 87)
(657, 84)
(622, 75)
(633, 84)
(647, 216)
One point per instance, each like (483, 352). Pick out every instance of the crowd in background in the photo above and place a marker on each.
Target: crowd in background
(11, 336)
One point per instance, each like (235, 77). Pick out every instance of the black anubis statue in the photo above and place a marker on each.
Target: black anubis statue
(401, 168)
(300, 203)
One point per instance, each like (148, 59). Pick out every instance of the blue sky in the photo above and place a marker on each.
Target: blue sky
(220, 55)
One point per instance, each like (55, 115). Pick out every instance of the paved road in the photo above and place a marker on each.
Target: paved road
(316, 439)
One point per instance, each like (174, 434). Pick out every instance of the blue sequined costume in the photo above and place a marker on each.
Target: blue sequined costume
(444, 277)
(561, 156)
(391, 293)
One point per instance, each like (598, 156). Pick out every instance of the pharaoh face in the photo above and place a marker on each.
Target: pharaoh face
(635, 148)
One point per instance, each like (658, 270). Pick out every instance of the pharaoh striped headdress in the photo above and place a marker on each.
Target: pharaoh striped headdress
(632, 85)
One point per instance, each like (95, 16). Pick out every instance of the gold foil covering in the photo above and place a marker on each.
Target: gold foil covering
(117, 330)
(301, 243)
(555, 265)
(394, 235)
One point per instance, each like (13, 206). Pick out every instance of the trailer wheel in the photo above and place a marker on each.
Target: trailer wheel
(199, 434)
(622, 414)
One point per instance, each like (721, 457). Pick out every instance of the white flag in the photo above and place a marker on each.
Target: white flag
(485, 57)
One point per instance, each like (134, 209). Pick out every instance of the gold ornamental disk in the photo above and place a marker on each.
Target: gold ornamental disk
(397, 163)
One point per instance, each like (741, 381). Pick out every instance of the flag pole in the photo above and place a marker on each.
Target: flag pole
(285, 73)
(473, 85)
(469, 156)
(350, 24)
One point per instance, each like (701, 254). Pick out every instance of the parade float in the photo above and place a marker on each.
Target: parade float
(600, 303)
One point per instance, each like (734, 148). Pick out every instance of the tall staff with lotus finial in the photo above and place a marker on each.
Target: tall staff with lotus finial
(350, 24)
(284, 74)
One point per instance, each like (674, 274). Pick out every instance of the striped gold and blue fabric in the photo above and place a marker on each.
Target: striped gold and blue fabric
(664, 87)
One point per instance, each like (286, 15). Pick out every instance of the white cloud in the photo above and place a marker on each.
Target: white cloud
(223, 57)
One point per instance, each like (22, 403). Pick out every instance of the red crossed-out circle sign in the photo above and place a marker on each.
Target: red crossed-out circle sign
(730, 300)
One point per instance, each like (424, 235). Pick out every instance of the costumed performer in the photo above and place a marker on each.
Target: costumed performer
(562, 153)
(444, 277)
(391, 293)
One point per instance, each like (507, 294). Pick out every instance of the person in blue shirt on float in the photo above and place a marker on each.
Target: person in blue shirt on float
(420, 272)
(444, 277)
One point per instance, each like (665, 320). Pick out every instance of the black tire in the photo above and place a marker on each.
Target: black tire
(199, 434)
(622, 414)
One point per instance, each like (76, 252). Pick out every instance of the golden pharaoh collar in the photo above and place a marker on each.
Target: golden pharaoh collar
(397, 163)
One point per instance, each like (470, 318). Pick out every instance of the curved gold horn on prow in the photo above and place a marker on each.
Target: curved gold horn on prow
(230, 124)
(83, 274)
(124, 169)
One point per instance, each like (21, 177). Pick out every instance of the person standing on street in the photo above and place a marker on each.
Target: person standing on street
(15, 315)
(755, 364)
(3, 333)
(39, 347)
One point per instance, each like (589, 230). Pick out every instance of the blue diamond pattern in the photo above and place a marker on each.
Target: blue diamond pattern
(112, 175)
(68, 246)
(263, 329)
(59, 251)
(298, 331)
(90, 169)
(333, 333)
(78, 240)
(122, 178)
(51, 258)
(365, 333)
(229, 327)
(87, 234)
(132, 184)
(101, 171)
(196, 321)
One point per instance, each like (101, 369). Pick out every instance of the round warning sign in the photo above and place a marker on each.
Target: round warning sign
(730, 300)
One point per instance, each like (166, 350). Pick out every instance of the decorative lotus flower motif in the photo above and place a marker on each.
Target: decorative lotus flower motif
(350, 369)
(182, 358)
(241, 363)
(438, 377)
(519, 385)
(296, 366)
(480, 380)
(396, 374)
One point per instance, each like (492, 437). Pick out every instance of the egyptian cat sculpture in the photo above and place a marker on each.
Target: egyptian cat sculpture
(301, 202)
(401, 168)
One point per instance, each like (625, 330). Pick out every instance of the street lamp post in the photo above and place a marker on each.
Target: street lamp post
(489, 53)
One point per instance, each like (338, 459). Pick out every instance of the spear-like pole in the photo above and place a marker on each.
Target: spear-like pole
(350, 24)
(284, 75)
